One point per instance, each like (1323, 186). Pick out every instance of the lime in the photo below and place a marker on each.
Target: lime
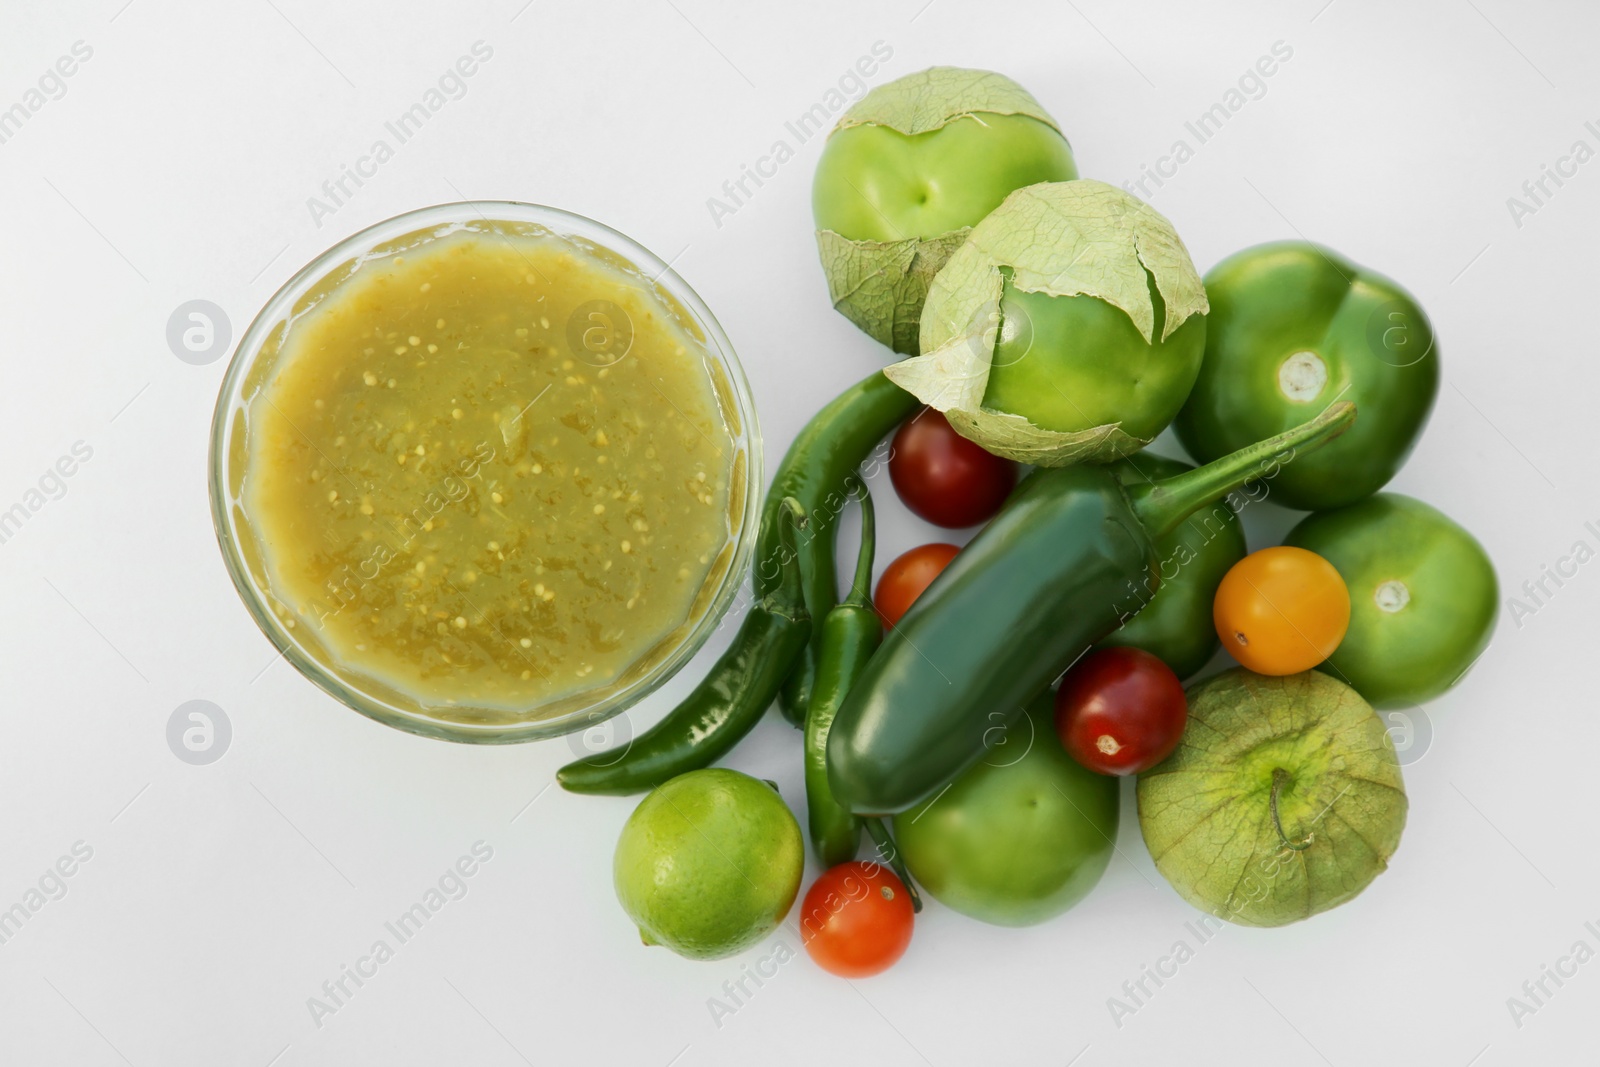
(709, 863)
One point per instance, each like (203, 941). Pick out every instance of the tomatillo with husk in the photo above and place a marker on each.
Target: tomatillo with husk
(1168, 613)
(907, 172)
(1068, 328)
(1293, 327)
(1423, 596)
(1283, 799)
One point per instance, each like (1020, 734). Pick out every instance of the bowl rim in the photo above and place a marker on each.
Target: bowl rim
(281, 308)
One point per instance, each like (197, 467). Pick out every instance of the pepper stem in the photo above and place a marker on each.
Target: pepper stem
(861, 586)
(1280, 776)
(889, 853)
(1162, 505)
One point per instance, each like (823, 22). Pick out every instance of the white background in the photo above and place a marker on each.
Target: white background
(219, 898)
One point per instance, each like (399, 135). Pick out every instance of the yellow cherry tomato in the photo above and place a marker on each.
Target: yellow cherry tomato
(1281, 610)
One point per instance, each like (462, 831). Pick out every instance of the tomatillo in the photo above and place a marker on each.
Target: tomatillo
(907, 172)
(1173, 622)
(1423, 596)
(1283, 799)
(1068, 328)
(1293, 327)
(1020, 837)
(1074, 363)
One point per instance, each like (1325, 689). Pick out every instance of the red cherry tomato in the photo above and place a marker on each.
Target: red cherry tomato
(905, 579)
(856, 920)
(945, 478)
(1120, 711)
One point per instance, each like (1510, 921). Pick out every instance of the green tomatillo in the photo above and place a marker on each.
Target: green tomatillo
(1068, 328)
(1172, 619)
(1282, 800)
(1423, 596)
(905, 175)
(1018, 838)
(1293, 327)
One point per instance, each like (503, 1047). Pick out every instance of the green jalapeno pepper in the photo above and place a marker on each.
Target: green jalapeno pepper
(1029, 594)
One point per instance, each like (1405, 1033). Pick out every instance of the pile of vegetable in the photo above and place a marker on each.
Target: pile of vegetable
(974, 713)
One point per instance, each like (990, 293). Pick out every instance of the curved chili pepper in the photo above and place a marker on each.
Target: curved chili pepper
(818, 471)
(728, 702)
(850, 634)
(889, 852)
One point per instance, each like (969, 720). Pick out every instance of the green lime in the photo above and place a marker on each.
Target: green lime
(709, 863)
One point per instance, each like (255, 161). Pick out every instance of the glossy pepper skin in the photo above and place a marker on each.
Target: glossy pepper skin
(1173, 619)
(1293, 326)
(818, 471)
(1037, 586)
(851, 633)
(1424, 598)
(726, 704)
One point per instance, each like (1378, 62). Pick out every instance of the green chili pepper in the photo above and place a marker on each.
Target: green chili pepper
(889, 852)
(1039, 585)
(731, 699)
(851, 632)
(817, 471)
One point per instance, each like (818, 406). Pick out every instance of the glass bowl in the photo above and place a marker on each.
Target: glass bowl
(263, 345)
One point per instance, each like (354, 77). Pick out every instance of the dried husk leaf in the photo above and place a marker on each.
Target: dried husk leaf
(929, 99)
(1206, 811)
(880, 285)
(1062, 238)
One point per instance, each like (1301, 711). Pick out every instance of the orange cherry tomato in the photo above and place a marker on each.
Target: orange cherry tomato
(1281, 610)
(905, 579)
(856, 920)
